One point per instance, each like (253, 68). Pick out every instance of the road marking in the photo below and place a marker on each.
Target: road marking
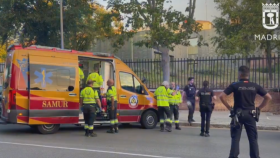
(90, 150)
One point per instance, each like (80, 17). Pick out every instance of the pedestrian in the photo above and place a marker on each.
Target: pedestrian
(190, 91)
(161, 96)
(98, 81)
(89, 99)
(206, 106)
(174, 101)
(112, 104)
(244, 93)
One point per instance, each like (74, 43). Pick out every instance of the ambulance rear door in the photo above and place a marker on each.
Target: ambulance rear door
(53, 88)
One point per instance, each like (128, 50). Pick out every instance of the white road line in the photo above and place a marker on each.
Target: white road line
(90, 150)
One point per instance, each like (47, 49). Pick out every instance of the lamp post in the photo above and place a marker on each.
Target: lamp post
(61, 24)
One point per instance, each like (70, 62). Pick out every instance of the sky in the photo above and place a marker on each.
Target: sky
(205, 9)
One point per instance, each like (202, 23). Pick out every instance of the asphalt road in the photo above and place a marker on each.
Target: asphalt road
(17, 141)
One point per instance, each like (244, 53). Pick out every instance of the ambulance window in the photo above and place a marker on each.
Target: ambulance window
(127, 81)
(138, 87)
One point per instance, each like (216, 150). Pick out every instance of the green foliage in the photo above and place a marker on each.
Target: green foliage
(238, 37)
(38, 22)
(166, 26)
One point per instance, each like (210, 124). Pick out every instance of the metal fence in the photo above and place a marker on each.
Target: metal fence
(220, 72)
(2, 65)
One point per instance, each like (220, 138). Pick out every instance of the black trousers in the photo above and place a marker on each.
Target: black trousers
(174, 110)
(192, 109)
(164, 110)
(89, 115)
(205, 117)
(251, 129)
(100, 98)
(113, 113)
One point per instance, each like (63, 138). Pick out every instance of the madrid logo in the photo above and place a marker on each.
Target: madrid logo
(270, 15)
(133, 101)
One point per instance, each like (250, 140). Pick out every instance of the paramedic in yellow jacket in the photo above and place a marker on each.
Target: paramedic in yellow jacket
(174, 101)
(97, 81)
(81, 74)
(112, 103)
(161, 94)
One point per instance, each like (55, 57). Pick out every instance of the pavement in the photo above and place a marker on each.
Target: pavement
(221, 119)
(19, 141)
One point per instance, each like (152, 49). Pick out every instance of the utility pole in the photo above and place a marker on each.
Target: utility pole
(61, 24)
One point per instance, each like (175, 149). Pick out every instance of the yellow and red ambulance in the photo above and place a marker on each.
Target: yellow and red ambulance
(41, 88)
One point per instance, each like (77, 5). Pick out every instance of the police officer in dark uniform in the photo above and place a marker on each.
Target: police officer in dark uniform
(206, 106)
(244, 97)
(190, 91)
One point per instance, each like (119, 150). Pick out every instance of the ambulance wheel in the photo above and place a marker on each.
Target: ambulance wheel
(48, 129)
(149, 120)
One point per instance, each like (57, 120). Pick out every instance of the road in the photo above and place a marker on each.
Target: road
(17, 141)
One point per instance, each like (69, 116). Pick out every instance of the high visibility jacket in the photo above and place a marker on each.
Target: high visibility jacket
(162, 96)
(81, 73)
(98, 80)
(111, 92)
(178, 97)
(171, 98)
(89, 95)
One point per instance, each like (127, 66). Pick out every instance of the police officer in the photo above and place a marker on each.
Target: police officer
(174, 101)
(112, 103)
(190, 91)
(206, 106)
(244, 96)
(98, 81)
(88, 100)
(161, 96)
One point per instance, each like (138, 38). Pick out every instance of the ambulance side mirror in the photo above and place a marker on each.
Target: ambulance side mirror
(142, 89)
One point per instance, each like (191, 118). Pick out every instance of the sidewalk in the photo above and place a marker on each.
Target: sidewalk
(221, 119)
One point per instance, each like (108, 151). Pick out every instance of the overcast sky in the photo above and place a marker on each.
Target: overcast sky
(200, 11)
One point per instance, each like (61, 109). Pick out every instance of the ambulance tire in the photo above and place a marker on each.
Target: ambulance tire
(149, 119)
(48, 129)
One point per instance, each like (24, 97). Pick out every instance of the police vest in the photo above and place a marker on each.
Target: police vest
(96, 78)
(191, 90)
(81, 73)
(89, 95)
(162, 96)
(111, 92)
(205, 98)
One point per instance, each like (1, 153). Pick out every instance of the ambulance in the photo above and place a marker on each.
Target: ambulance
(41, 88)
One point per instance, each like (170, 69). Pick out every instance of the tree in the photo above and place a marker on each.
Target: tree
(167, 27)
(39, 21)
(238, 26)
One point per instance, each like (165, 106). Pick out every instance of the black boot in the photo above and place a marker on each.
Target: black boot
(91, 134)
(202, 134)
(86, 133)
(162, 127)
(168, 127)
(177, 126)
(207, 135)
(111, 130)
(116, 128)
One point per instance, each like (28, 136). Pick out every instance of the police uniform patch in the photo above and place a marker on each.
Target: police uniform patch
(133, 101)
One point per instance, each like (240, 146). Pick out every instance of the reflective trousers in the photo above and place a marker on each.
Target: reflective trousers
(251, 129)
(174, 110)
(89, 115)
(164, 110)
(113, 113)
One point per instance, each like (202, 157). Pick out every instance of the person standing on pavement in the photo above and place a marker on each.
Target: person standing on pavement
(88, 100)
(206, 106)
(174, 101)
(112, 103)
(161, 96)
(190, 91)
(244, 94)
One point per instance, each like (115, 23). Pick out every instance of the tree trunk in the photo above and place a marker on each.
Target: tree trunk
(269, 61)
(165, 64)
